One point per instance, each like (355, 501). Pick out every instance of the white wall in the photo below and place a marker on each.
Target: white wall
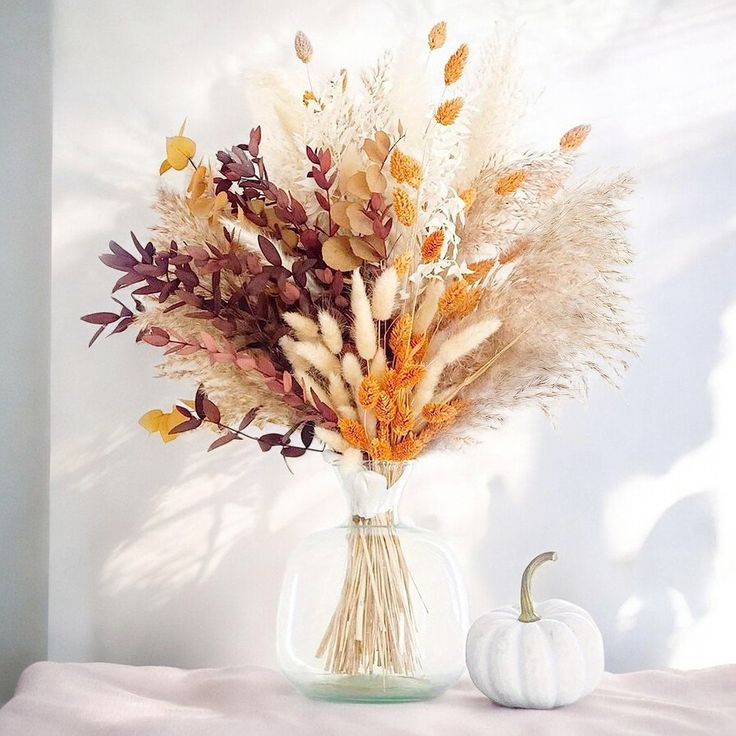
(25, 234)
(166, 554)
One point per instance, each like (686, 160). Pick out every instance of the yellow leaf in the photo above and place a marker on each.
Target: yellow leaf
(151, 420)
(179, 151)
(165, 166)
(168, 422)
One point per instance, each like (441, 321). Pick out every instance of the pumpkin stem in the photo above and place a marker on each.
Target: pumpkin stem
(527, 614)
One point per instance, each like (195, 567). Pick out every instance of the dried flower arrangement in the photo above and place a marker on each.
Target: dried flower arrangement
(399, 276)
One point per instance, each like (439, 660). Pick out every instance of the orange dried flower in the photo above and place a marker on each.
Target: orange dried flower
(511, 182)
(368, 391)
(409, 375)
(408, 448)
(574, 137)
(514, 251)
(406, 212)
(439, 416)
(353, 432)
(385, 408)
(456, 65)
(432, 246)
(405, 169)
(389, 381)
(402, 263)
(418, 347)
(403, 420)
(468, 197)
(458, 300)
(400, 332)
(480, 270)
(447, 112)
(437, 36)
(380, 449)
(308, 97)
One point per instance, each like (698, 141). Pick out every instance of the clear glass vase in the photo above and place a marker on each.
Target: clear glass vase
(373, 610)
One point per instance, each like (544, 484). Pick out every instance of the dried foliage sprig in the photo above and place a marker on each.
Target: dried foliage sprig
(385, 288)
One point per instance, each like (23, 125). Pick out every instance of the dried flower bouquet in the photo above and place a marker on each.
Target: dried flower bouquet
(383, 269)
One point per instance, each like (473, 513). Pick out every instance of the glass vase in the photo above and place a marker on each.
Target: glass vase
(373, 610)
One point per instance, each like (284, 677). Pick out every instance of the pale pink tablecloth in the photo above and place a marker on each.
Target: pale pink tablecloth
(118, 700)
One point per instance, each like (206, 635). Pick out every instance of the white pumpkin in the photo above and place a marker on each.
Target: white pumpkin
(539, 656)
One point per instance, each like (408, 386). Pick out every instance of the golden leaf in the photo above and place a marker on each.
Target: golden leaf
(363, 249)
(383, 142)
(360, 223)
(168, 422)
(373, 151)
(179, 151)
(337, 254)
(357, 185)
(339, 213)
(151, 420)
(375, 179)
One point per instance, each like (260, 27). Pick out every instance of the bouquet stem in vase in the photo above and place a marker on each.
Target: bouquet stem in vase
(394, 629)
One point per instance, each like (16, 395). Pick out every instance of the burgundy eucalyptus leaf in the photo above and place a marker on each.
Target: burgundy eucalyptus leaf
(220, 441)
(101, 318)
(307, 433)
(269, 251)
(211, 411)
(187, 426)
(248, 418)
(292, 451)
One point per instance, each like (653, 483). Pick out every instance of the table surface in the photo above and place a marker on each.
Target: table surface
(54, 699)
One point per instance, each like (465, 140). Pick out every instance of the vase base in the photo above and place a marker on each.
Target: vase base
(367, 688)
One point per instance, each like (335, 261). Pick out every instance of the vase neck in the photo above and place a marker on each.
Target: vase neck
(373, 491)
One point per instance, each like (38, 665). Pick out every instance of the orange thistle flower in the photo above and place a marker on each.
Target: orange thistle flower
(514, 251)
(480, 270)
(458, 300)
(410, 375)
(380, 449)
(437, 36)
(456, 65)
(353, 433)
(468, 197)
(408, 448)
(402, 263)
(385, 408)
(447, 112)
(368, 391)
(510, 183)
(432, 246)
(406, 212)
(405, 169)
(574, 137)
